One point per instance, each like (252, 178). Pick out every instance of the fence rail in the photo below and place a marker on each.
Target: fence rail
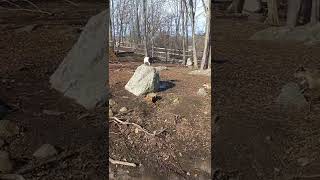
(164, 54)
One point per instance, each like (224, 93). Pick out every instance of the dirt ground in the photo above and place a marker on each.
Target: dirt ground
(253, 138)
(27, 61)
(182, 150)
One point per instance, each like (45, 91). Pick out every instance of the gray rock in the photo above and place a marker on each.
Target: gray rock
(206, 72)
(144, 80)
(5, 162)
(8, 129)
(123, 110)
(202, 92)
(111, 102)
(52, 113)
(252, 6)
(82, 75)
(110, 113)
(11, 177)
(309, 34)
(161, 68)
(291, 96)
(46, 150)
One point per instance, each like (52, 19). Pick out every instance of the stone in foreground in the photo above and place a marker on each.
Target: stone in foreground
(291, 96)
(145, 80)
(46, 150)
(82, 75)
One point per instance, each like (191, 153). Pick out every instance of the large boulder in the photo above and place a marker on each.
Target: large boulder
(308, 34)
(145, 80)
(252, 6)
(291, 96)
(83, 73)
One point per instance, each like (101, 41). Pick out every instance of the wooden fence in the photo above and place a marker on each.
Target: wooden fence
(163, 54)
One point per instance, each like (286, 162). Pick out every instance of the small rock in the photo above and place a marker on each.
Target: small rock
(111, 102)
(303, 161)
(268, 138)
(110, 113)
(151, 97)
(123, 110)
(136, 130)
(8, 129)
(202, 92)
(27, 28)
(207, 85)
(11, 177)
(5, 162)
(46, 150)
(52, 113)
(176, 101)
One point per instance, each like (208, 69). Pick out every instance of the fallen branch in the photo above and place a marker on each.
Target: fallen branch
(72, 3)
(11, 177)
(22, 9)
(112, 161)
(306, 176)
(138, 126)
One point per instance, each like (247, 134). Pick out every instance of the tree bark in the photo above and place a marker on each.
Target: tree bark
(273, 15)
(146, 51)
(293, 12)
(315, 12)
(194, 51)
(183, 35)
(236, 6)
(206, 51)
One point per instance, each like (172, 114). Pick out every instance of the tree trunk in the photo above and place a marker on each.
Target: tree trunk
(138, 35)
(273, 15)
(206, 51)
(293, 12)
(146, 52)
(236, 6)
(305, 11)
(183, 35)
(315, 12)
(194, 51)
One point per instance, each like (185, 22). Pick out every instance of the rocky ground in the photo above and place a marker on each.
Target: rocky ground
(33, 45)
(254, 139)
(181, 117)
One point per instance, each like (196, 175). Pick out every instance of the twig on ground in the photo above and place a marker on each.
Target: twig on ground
(32, 4)
(306, 176)
(136, 125)
(112, 161)
(12, 3)
(22, 9)
(70, 2)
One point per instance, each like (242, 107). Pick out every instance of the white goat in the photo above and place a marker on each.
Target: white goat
(146, 61)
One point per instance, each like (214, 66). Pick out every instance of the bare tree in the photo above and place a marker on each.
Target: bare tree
(207, 45)
(192, 17)
(315, 14)
(183, 34)
(236, 6)
(146, 51)
(293, 12)
(273, 15)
